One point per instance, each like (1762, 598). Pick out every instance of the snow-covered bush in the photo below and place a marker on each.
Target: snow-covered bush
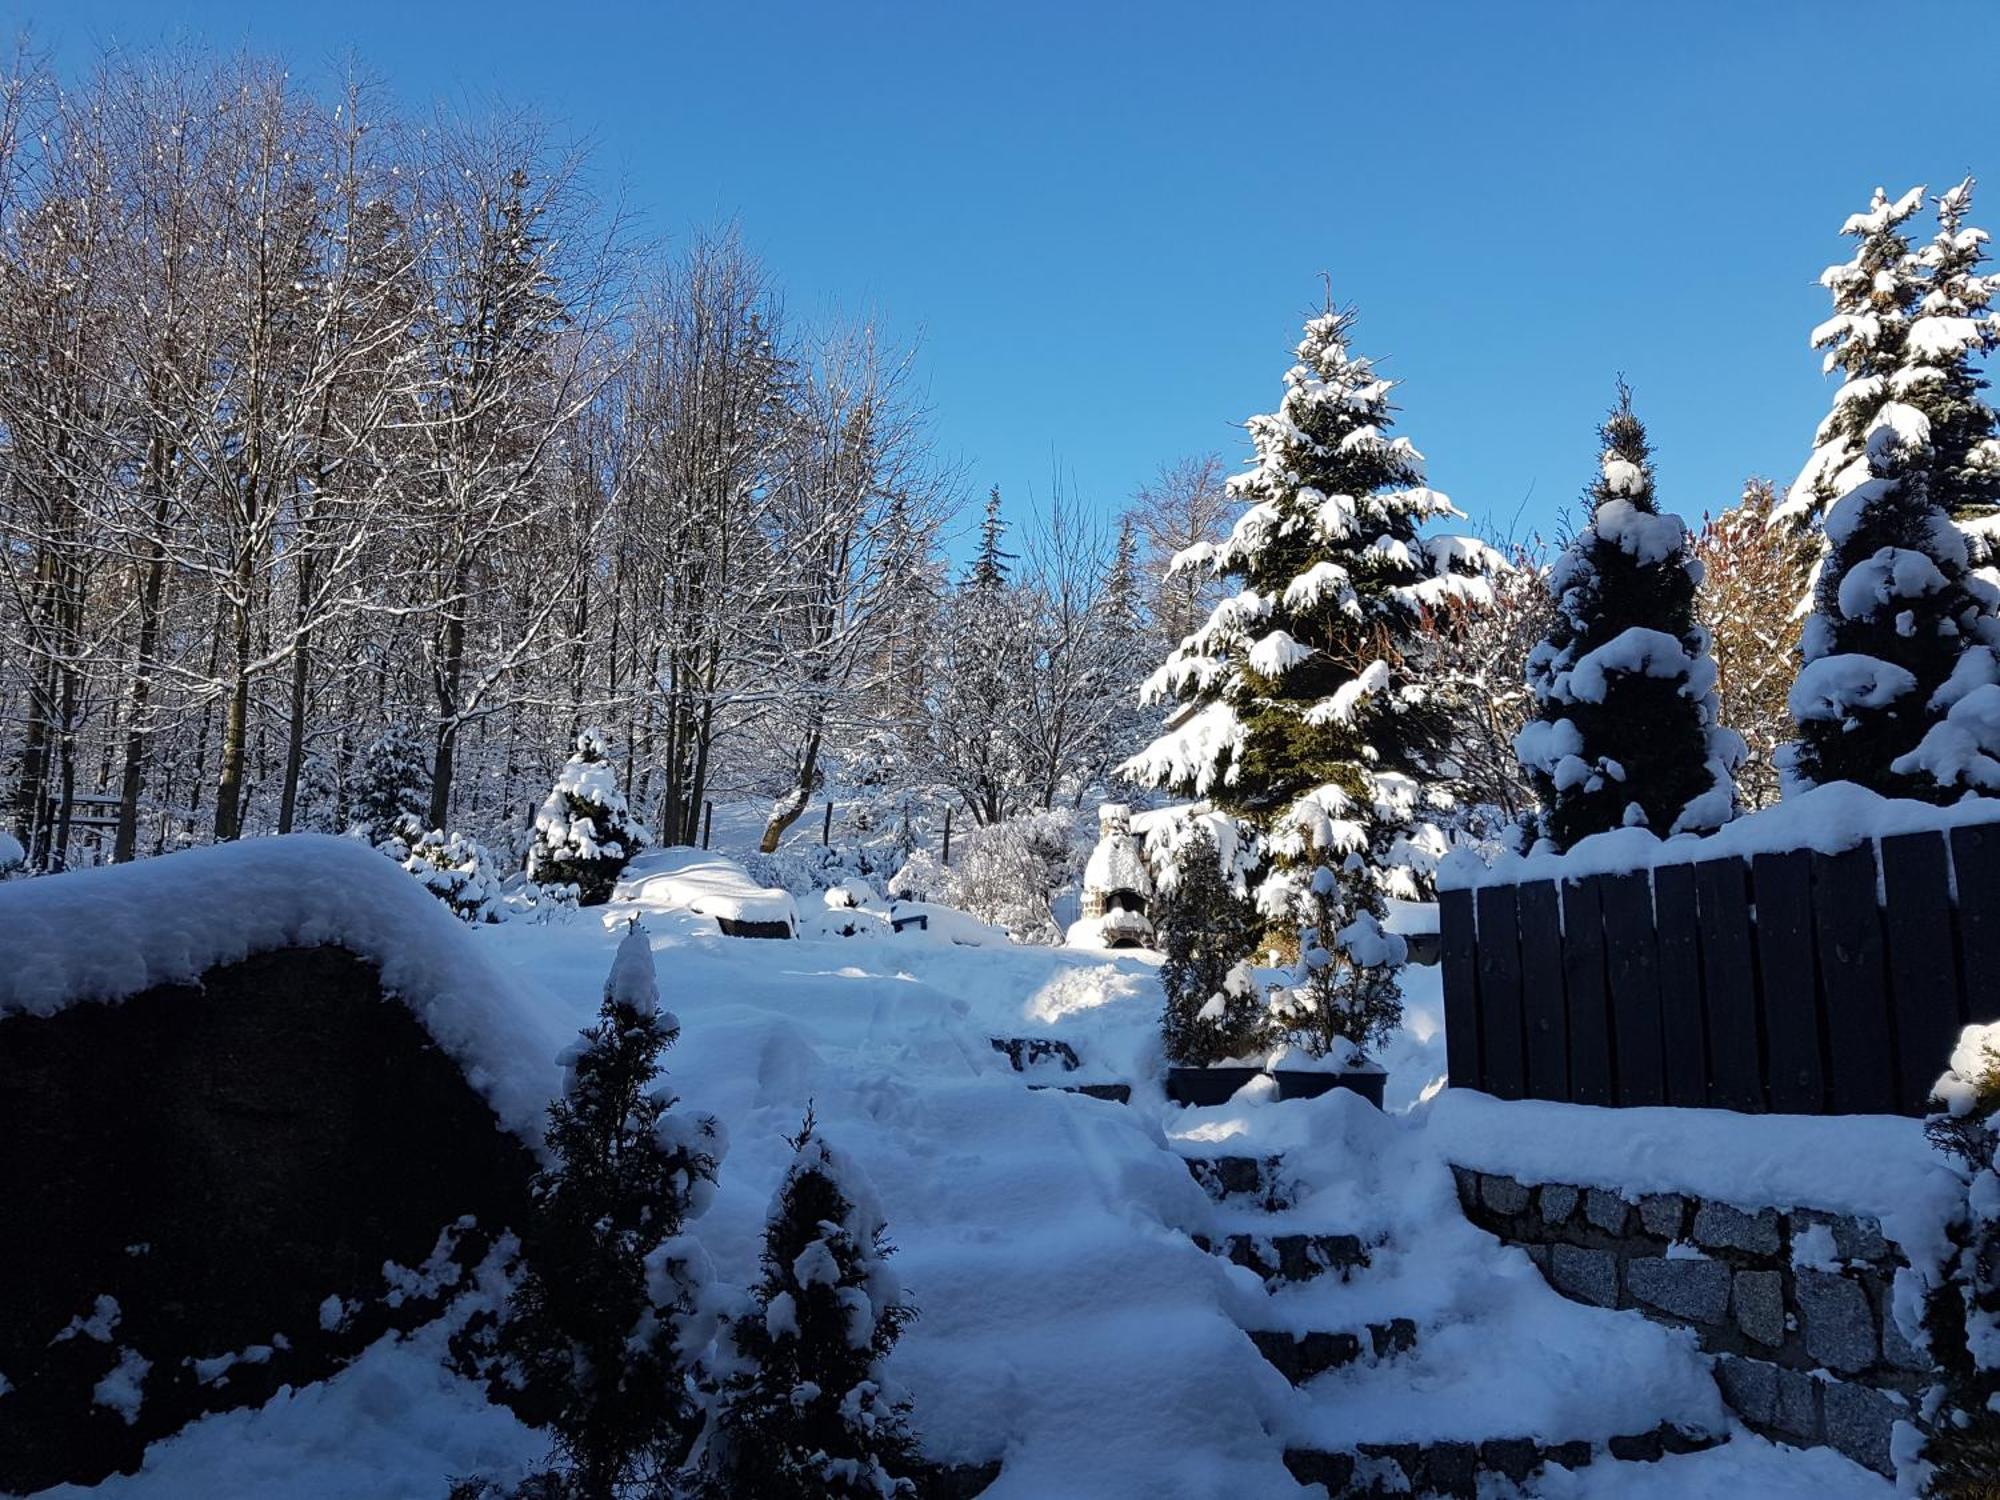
(584, 834)
(1008, 874)
(1626, 729)
(1960, 1453)
(457, 869)
(808, 1410)
(389, 787)
(604, 1322)
(1343, 991)
(13, 858)
(1206, 928)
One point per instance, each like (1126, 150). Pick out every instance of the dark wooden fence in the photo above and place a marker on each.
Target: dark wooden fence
(1799, 982)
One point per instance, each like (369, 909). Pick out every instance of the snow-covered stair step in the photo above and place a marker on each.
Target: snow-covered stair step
(1115, 1093)
(1455, 1468)
(1026, 1052)
(1301, 1357)
(1292, 1257)
(1260, 1180)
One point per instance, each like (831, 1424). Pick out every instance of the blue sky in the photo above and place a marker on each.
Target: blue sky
(1104, 221)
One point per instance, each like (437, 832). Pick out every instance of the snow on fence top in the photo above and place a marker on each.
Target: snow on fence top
(1827, 820)
(107, 934)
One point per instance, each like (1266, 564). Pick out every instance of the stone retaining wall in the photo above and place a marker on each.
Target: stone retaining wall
(1795, 1305)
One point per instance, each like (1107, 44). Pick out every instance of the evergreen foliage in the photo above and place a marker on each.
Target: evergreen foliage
(1297, 711)
(584, 834)
(1207, 929)
(1960, 1455)
(990, 562)
(1955, 320)
(1901, 635)
(598, 1339)
(390, 784)
(810, 1413)
(458, 870)
(1625, 731)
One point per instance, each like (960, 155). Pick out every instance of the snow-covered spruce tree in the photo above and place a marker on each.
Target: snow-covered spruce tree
(1955, 321)
(1901, 633)
(457, 869)
(1296, 711)
(584, 835)
(1207, 929)
(809, 1411)
(390, 787)
(1960, 1454)
(600, 1331)
(1625, 730)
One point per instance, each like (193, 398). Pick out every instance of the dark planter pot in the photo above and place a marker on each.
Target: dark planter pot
(1198, 1086)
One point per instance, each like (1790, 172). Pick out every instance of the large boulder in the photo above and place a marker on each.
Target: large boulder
(239, 1173)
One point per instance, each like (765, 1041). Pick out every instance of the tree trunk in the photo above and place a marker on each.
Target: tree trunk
(790, 809)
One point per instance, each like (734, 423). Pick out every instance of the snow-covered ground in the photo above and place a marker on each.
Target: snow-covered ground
(1069, 1322)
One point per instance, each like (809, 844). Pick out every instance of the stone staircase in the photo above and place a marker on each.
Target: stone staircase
(1331, 1324)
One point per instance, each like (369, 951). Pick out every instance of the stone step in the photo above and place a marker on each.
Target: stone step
(1115, 1093)
(1026, 1052)
(1257, 1178)
(1280, 1258)
(1454, 1469)
(1301, 1357)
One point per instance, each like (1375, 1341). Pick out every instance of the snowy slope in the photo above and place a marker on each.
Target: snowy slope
(1069, 1324)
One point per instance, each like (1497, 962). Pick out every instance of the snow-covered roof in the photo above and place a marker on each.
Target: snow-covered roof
(107, 934)
(1118, 863)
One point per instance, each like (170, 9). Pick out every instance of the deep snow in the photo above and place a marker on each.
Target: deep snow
(1068, 1322)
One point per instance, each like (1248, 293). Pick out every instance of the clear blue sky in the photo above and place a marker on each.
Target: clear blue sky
(1105, 220)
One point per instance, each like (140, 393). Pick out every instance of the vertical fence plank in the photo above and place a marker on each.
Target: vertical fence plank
(1975, 860)
(1923, 969)
(1632, 968)
(1782, 886)
(1847, 927)
(1592, 1079)
(1683, 1033)
(1461, 990)
(1729, 988)
(1501, 1042)
(1542, 1006)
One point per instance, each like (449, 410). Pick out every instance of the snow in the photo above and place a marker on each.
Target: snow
(1635, 650)
(1068, 1323)
(1118, 863)
(1277, 653)
(107, 934)
(1646, 536)
(1830, 687)
(1892, 574)
(1827, 819)
(1963, 748)
(709, 885)
(11, 852)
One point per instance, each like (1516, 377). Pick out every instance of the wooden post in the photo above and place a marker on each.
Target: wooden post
(947, 835)
(826, 830)
(707, 822)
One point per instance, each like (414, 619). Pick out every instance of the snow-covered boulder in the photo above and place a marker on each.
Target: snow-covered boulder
(252, 1102)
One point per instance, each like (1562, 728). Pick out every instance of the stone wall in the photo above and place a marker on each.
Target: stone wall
(1795, 1305)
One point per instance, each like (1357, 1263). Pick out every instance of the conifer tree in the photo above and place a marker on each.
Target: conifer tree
(457, 869)
(584, 834)
(1901, 632)
(1207, 929)
(809, 1412)
(1956, 321)
(598, 1343)
(390, 788)
(1625, 731)
(990, 563)
(1297, 711)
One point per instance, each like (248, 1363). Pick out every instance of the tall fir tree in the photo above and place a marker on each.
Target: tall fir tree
(1296, 711)
(1901, 631)
(809, 1411)
(604, 1324)
(1955, 321)
(584, 833)
(990, 562)
(389, 789)
(1625, 731)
